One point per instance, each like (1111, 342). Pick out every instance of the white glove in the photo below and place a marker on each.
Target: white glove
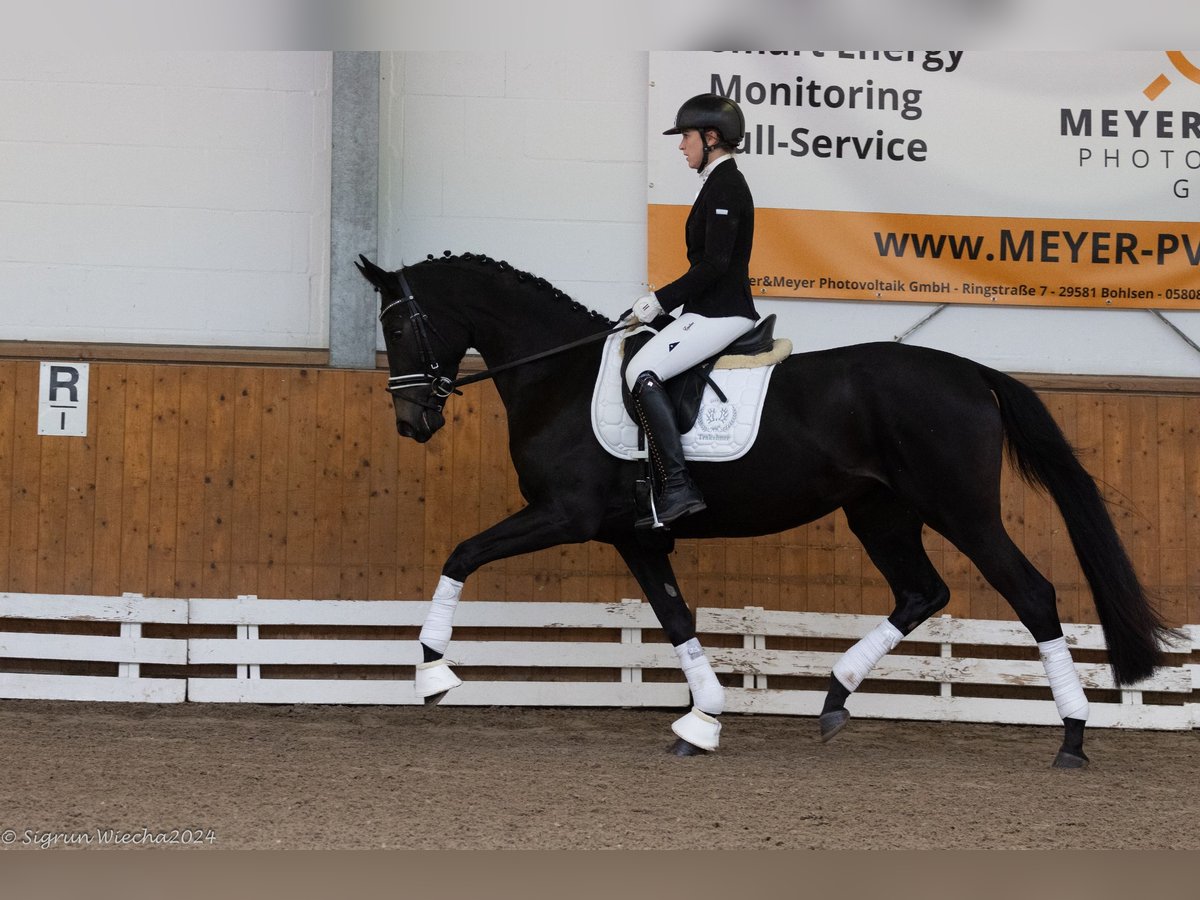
(647, 308)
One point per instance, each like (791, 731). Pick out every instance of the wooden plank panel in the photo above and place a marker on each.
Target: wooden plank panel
(848, 564)
(1063, 570)
(1038, 513)
(164, 482)
(1144, 539)
(821, 565)
(411, 513)
(1191, 464)
(110, 472)
(793, 570)
(710, 568)
(8, 405)
(608, 577)
(193, 441)
(218, 483)
(766, 555)
(1090, 413)
(739, 572)
(463, 419)
(26, 482)
(53, 488)
(360, 400)
(573, 577)
(301, 480)
(494, 477)
(135, 490)
(1172, 450)
(273, 486)
(1118, 446)
(329, 448)
(383, 506)
(245, 527)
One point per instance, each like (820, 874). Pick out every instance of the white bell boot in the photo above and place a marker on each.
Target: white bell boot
(433, 678)
(698, 728)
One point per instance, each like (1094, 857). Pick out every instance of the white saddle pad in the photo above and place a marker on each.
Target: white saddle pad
(723, 431)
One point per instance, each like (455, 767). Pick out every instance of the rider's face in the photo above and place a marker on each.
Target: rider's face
(691, 142)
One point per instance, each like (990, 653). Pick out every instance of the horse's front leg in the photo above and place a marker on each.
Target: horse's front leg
(531, 528)
(699, 731)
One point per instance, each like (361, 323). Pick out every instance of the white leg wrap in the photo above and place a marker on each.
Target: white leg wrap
(1064, 680)
(435, 633)
(860, 659)
(707, 693)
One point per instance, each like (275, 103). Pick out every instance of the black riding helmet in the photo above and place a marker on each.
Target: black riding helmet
(712, 111)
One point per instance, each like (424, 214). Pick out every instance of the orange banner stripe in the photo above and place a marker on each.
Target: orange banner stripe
(955, 259)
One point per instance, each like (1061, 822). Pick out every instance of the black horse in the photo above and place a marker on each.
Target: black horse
(898, 437)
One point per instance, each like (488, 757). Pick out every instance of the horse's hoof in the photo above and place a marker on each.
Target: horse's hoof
(832, 722)
(1066, 760)
(434, 699)
(687, 748)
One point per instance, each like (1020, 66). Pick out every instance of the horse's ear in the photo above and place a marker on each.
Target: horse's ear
(371, 272)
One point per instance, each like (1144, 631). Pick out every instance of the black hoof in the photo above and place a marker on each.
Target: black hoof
(832, 722)
(435, 699)
(1066, 760)
(687, 748)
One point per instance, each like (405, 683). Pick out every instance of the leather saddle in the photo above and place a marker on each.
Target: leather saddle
(687, 388)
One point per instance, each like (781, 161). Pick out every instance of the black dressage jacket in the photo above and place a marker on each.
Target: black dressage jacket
(719, 235)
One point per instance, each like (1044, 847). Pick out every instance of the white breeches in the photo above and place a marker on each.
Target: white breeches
(688, 340)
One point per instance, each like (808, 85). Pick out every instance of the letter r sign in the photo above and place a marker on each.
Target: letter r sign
(63, 399)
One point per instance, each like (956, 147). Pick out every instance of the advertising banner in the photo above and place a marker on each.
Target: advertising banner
(1041, 178)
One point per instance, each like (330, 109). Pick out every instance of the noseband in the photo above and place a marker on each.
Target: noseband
(440, 386)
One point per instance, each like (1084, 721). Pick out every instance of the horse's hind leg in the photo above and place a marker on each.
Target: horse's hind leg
(1007, 569)
(890, 532)
(699, 730)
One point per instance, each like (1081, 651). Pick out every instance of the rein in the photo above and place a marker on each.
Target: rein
(494, 371)
(439, 385)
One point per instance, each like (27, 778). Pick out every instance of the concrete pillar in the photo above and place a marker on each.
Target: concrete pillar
(355, 207)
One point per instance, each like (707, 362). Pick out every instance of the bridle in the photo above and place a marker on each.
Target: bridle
(441, 386)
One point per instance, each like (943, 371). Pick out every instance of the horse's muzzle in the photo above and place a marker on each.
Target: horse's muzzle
(423, 429)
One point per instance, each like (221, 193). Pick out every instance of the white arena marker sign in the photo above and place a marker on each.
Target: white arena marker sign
(63, 399)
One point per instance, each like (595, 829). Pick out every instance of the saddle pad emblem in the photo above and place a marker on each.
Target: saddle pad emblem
(716, 420)
(723, 431)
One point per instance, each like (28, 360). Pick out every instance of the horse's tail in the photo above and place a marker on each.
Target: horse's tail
(1133, 629)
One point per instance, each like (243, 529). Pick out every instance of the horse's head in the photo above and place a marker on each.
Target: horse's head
(421, 363)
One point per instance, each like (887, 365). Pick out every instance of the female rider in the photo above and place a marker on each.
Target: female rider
(714, 293)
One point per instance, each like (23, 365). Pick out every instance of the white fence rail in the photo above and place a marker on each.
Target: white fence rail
(128, 649)
(931, 675)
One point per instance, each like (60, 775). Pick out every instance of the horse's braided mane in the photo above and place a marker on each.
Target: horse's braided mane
(541, 284)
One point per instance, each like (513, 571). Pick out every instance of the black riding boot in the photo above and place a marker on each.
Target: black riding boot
(680, 496)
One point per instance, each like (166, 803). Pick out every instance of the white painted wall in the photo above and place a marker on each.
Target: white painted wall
(539, 158)
(184, 198)
(165, 197)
